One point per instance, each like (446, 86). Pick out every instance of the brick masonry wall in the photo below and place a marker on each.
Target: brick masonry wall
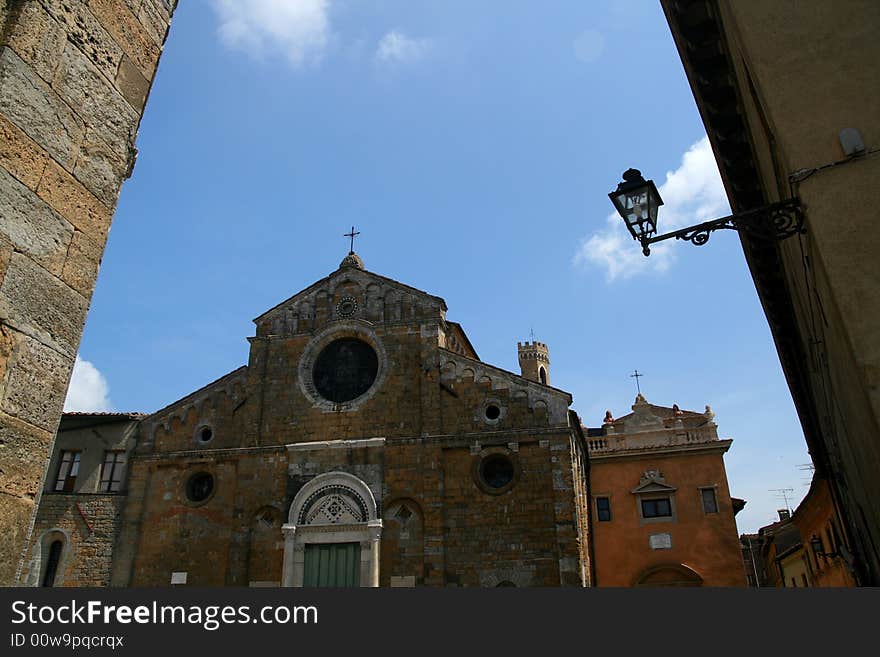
(74, 78)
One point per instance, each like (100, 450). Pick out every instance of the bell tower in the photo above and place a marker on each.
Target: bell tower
(534, 361)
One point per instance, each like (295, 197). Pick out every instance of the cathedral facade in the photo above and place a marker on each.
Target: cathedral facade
(364, 444)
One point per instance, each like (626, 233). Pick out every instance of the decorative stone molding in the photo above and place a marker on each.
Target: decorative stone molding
(477, 464)
(202, 402)
(642, 419)
(520, 575)
(482, 414)
(379, 299)
(343, 329)
(40, 554)
(335, 444)
(457, 367)
(334, 507)
(652, 485)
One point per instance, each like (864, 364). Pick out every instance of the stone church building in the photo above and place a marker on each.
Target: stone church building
(364, 444)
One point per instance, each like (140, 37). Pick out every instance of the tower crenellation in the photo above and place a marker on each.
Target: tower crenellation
(534, 361)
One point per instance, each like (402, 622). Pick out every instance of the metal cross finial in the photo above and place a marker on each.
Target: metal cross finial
(532, 334)
(352, 236)
(636, 375)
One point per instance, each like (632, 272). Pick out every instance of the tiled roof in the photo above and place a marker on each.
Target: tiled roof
(103, 414)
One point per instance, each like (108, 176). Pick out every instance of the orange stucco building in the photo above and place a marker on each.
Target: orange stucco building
(808, 547)
(830, 558)
(662, 510)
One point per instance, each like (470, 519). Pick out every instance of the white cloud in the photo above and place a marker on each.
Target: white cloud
(297, 29)
(691, 194)
(88, 390)
(397, 48)
(588, 46)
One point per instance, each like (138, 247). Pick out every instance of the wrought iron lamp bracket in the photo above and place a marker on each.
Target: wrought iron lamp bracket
(772, 222)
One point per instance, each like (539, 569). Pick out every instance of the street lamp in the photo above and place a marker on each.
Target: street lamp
(637, 201)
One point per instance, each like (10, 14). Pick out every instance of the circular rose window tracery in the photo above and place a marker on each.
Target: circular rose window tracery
(345, 369)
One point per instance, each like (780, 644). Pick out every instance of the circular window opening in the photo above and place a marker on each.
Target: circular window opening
(345, 369)
(496, 471)
(347, 306)
(199, 487)
(492, 412)
(205, 434)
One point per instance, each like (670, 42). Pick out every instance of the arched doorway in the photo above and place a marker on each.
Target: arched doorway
(332, 534)
(668, 575)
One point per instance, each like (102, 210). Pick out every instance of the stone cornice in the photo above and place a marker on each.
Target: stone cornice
(336, 444)
(206, 454)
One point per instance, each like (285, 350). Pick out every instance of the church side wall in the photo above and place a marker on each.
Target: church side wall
(580, 481)
(74, 78)
(524, 536)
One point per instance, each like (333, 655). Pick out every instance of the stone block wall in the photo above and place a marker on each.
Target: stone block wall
(216, 542)
(86, 518)
(87, 525)
(74, 78)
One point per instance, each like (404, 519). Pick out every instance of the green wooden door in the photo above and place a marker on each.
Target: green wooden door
(333, 564)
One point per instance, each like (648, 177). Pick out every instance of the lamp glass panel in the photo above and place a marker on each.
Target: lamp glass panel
(637, 209)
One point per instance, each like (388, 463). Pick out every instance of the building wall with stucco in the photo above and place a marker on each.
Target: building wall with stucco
(791, 107)
(657, 452)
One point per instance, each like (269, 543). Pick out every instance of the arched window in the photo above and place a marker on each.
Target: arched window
(543, 373)
(52, 561)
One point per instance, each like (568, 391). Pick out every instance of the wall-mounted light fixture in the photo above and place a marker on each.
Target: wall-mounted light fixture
(638, 201)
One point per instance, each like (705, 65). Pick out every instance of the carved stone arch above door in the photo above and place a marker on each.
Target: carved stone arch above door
(332, 508)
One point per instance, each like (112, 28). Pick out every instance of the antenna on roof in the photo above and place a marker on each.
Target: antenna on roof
(783, 493)
(807, 467)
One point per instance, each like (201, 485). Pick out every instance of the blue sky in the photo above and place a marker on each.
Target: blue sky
(474, 149)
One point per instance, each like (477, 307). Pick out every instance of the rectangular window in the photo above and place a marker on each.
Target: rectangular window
(657, 508)
(603, 509)
(68, 468)
(710, 502)
(111, 472)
